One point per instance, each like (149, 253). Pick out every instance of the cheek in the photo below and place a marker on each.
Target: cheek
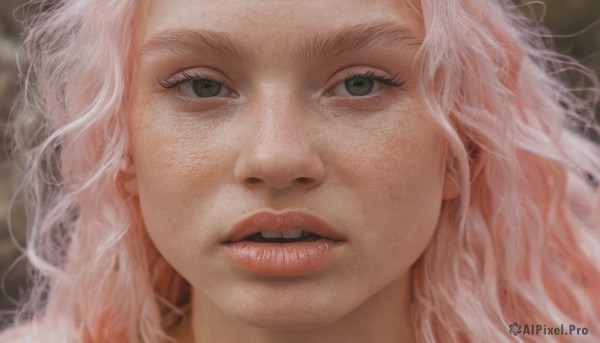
(176, 152)
(179, 165)
(401, 167)
(171, 162)
(399, 179)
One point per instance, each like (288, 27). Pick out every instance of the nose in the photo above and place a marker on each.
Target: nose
(277, 149)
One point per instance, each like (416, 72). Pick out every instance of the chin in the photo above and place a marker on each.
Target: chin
(290, 314)
(290, 321)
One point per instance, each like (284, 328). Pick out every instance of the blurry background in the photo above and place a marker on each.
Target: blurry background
(579, 20)
(13, 281)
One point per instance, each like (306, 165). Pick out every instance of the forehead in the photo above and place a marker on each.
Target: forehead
(257, 22)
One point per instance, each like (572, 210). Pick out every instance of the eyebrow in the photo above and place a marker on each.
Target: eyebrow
(323, 44)
(200, 41)
(357, 37)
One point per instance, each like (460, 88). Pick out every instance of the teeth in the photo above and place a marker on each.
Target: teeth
(271, 234)
(292, 234)
(287, 234)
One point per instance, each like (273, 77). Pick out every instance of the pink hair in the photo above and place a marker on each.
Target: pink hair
(521, 243)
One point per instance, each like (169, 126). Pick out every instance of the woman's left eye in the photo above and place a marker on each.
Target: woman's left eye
(360, 86)
(363, 85)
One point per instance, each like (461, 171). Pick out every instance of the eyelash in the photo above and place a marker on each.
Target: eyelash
(388, 81)
(392, 81)
(186, 77)
(181, 79)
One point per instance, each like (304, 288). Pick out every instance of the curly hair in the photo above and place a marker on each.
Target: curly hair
(521, 242)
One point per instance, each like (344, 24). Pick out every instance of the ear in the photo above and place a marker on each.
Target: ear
(451, 189)
(128, 180)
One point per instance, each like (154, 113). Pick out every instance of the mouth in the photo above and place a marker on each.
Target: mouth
(291, 236)
(288, 227)
(287, 244)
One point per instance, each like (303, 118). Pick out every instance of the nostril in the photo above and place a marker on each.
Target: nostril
(278, 171)
(257, 180)
(253, 180)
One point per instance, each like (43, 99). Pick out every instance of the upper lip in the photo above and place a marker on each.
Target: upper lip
(263, 221)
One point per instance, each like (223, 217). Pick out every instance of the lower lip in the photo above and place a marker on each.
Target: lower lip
(282, 259)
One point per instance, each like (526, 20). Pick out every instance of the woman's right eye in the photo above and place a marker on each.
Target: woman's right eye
(203, 88)
(192, 85)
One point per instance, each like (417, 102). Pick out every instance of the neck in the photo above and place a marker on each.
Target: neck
(384, 317)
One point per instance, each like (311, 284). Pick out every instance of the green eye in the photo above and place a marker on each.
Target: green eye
(359, 86)
(364, 84)
(206, 88)
(195, 85)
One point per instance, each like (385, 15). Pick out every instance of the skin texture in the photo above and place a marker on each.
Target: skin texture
(286, 136)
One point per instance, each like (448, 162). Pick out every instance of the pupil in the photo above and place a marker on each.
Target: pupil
(206, 88)
(359, 86)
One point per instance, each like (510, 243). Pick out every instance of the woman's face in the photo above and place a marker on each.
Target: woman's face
(245, 107)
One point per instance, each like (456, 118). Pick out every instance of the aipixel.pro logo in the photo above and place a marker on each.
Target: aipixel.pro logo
(516, 329)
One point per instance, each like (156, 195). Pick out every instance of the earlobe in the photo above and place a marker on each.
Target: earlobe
(128, 180)
(451, 188)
